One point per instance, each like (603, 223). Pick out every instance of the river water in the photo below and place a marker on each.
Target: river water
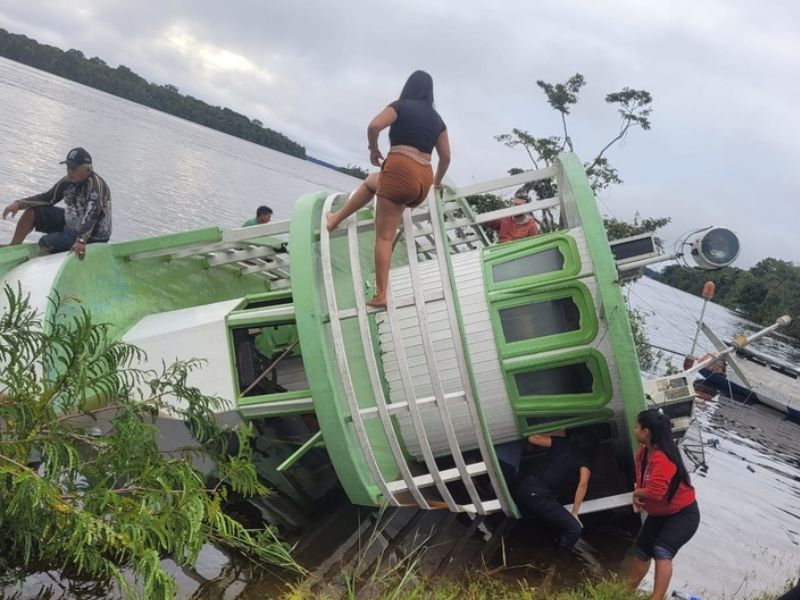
(167, 175)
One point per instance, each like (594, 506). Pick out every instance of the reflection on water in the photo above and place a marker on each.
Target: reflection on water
(167, 175)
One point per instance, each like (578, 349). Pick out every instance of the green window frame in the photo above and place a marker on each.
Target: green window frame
(505, 255)
(574, 291)
(546, 403)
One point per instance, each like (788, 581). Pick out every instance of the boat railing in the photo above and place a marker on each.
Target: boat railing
(379, 406)
(432, 233)
(258, 251)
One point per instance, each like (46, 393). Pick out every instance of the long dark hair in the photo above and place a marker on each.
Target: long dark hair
(419, 86)
(658, 424)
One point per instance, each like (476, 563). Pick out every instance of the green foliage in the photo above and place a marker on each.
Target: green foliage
(762, 293)
(616, 229)
(123, 82)
(633, 107)
(84, 486)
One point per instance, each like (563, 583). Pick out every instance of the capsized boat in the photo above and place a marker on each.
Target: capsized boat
(479, 346)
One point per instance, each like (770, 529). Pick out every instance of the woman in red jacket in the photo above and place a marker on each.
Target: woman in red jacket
(664, 492)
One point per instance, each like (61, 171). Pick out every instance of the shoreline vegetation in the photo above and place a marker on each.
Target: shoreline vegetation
(122, 82)
(760, 294)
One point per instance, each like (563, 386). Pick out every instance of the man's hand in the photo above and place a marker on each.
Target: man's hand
(11, 209)
(577, 518)
(79, 248)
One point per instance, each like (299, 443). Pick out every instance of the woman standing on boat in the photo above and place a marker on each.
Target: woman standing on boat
(415, 129)
(664, 492)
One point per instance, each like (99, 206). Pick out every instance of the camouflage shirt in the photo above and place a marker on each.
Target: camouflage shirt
(87, 206)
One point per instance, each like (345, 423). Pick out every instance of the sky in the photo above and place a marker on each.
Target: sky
(725, 139)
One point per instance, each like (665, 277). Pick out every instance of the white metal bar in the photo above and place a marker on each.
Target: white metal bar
(397, 407)
(430, 356)
(428, 479)
(341, 357)
(230, 256)
(372, 365)
(402, 302)
(276, 264)
(239, 234)
(449, 294)
(606, 503)
(184, 251)
(488, 507)
(405, 376)
(504, 182)
(278, 408)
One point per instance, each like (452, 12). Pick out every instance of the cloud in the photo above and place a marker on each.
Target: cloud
(726, 128)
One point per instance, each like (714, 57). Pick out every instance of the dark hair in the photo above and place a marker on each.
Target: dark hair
(660, 428)
(586, 442)
(263, 210)
(522, 196)
(419, 86)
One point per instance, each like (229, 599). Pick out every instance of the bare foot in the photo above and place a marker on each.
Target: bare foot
(332, 222)
(377, 302)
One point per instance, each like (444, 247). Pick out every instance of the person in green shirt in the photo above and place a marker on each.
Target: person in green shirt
(263, 215)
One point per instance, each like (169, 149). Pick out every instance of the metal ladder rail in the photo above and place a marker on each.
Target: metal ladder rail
(412, 402)
(436, 382)
(372, 366)
(341, 357)
(443, 261)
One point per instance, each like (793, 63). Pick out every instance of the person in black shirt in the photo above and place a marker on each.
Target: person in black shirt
(85, 218)
(567, 466)
(406, 176)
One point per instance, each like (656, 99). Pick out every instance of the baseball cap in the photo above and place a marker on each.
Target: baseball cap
(77, 157)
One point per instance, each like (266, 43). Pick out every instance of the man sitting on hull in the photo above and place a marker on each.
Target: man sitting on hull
(85, 218)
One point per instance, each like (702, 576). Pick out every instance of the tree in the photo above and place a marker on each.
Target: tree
(632, 105)
(84, 486)
(634, 109)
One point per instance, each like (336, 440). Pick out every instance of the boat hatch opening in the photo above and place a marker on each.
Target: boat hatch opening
(272, 392)
(269, 374)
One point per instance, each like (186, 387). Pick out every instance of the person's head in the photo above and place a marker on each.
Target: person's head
(586, 442)
(521, 198)
(79, 164)
(263, 214)
(419, 86)
(653, 429)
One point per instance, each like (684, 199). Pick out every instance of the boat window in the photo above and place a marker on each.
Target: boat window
(535, 263)
(556, 381)
(539, 319)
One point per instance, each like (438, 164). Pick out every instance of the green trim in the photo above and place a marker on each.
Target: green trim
(309, 444)
(567, 421)
(472, 380)
(273, 296)
(11, 256)
(277, 397)
(575, 182)
(262, 315)
(163, 242)
(322, 371)
(575, 290)
(504, 253)
(529, 405)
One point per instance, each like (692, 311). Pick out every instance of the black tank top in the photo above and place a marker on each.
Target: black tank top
(417, 125)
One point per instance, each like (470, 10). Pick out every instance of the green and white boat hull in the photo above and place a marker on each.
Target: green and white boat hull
(480, 345)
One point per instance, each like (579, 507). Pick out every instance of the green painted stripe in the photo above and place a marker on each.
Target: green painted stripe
(268, 398)
(576, 183)
(312, 442)
(172, 240)
(324, 377)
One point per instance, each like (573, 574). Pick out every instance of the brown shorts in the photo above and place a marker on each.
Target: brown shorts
(404, 180)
